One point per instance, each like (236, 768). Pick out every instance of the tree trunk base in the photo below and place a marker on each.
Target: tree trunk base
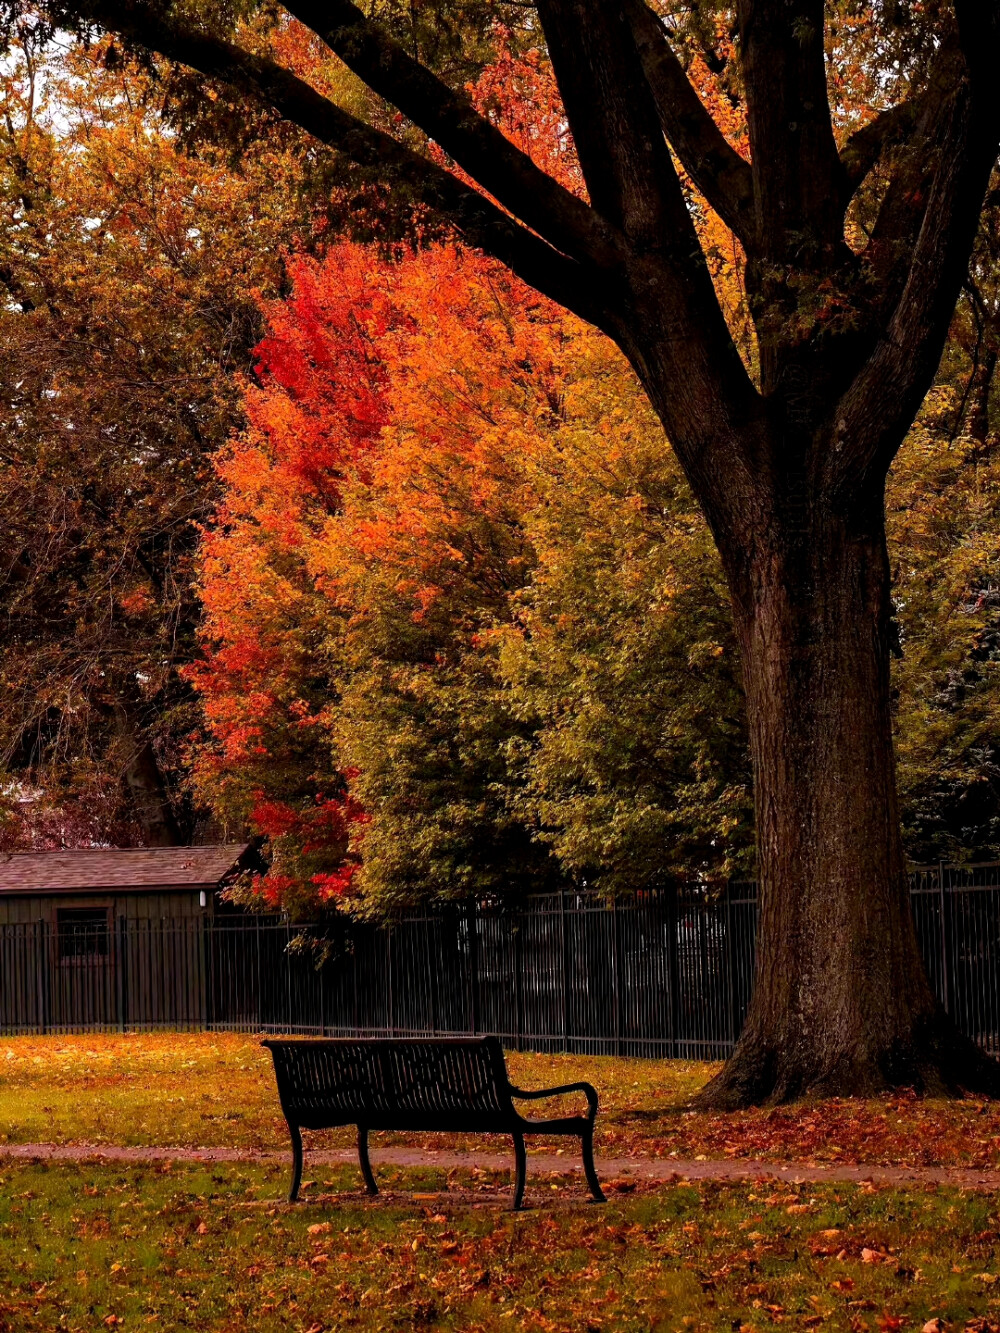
(938, 1061)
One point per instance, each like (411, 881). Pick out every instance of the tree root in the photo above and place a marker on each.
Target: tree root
(939, 1061)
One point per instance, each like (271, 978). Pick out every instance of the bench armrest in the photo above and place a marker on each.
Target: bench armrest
(587, 1088)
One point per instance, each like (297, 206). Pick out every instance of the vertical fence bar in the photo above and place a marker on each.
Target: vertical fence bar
(945, 943)
(616, 976)
(390, 979)
(673, 978)
(474, 967)
(564, 943)
(120, 946)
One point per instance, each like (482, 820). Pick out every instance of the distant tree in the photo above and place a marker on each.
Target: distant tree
(420, 546)
(128, 269)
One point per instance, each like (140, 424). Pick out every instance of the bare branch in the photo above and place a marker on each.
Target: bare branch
(720, 173)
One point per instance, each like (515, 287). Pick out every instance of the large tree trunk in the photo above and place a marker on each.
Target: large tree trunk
(841, 1003)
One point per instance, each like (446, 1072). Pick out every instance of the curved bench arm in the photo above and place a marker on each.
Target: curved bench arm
(587, 1088)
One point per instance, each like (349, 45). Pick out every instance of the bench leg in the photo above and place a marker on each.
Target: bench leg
(366, 1166)
(587, 1145)
(293, 1193)
(521, 1164)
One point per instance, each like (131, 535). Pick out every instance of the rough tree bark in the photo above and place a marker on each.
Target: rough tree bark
(842, 1004)
(790, 471)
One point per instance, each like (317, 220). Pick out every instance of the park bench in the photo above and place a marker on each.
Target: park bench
(444, 1085)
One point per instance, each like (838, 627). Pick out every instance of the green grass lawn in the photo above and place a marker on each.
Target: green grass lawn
(90, 1247)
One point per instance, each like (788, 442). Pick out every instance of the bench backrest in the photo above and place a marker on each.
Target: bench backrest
(394, 1083)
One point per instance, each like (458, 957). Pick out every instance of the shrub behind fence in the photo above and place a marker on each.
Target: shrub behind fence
(669, 974)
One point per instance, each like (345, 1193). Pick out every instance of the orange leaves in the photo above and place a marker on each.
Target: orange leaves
(394, 408)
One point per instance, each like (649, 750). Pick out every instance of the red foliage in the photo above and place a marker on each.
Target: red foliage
(368, 367)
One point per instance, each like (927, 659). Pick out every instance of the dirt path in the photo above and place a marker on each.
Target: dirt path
(610, 1168)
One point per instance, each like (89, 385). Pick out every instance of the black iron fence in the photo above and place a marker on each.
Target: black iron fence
(667, 975)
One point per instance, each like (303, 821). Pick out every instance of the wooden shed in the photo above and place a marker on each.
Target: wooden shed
(109, 936)
(106, 883)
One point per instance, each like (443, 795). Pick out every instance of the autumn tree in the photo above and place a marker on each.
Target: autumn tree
(128, 267)
(450, 522)
(857, 237)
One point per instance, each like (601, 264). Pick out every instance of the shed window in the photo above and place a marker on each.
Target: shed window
(82, 932)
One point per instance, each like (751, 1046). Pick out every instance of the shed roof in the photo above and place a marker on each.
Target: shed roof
(120, 868)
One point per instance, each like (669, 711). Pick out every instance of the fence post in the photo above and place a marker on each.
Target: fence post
(48, 944)
(474, 966)
(616, 970)
(288, 974)
(257, 974)
(392, 998)
(731, 965)
(518, 983)
(321, 975)
(673, 963)
(121, 944)
(565, 968)
(945, 950)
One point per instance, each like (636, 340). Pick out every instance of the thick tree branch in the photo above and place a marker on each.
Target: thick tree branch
(979, 37)
(717, 169)
(874, 414)
(798, 178)
(675, 334)
(616, 129)
(451, 121)
(889, 253)
(477, 218)
(864, 148)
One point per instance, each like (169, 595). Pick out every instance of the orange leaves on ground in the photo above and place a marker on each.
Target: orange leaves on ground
(901, 1131)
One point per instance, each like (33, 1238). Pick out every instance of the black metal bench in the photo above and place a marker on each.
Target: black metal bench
(441, 1085)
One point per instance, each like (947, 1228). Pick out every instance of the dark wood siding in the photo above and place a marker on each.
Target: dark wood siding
(144, 905)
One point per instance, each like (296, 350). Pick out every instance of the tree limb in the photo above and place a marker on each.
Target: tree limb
(623, 157)
(475, 216)
(720, 173)
(889, 252)
(864, 148)
(450, 119)
(979, 37)
(874, 414)
(798, 178)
